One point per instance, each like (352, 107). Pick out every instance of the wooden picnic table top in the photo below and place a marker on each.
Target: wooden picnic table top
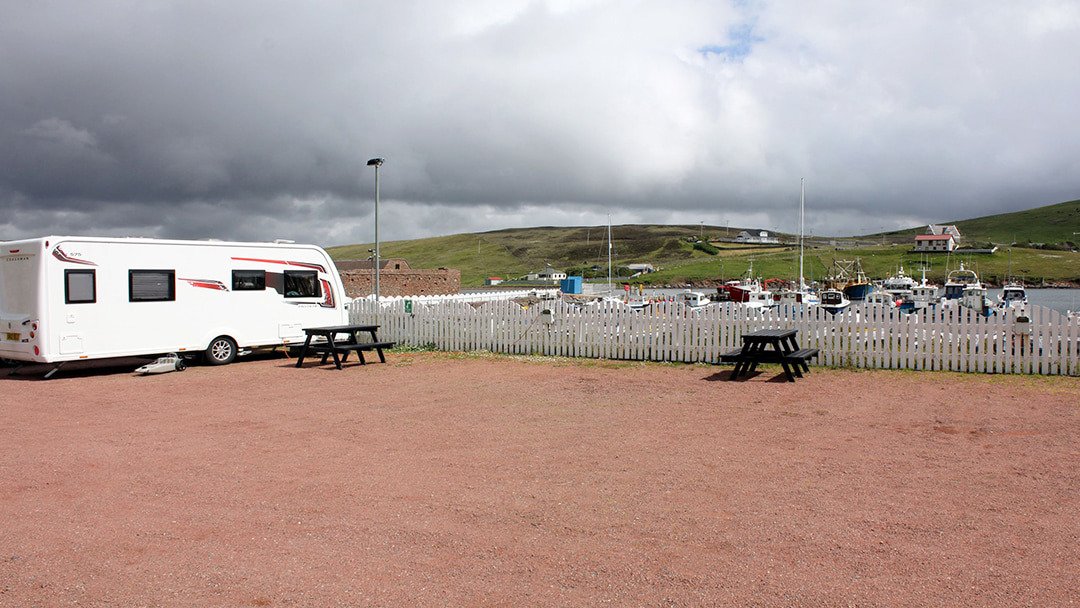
(770, 334)
(338, 329)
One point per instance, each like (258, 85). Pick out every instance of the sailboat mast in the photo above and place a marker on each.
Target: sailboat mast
(802, 225)
(609, 254)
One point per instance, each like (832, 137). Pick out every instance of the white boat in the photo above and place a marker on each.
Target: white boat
(790, 297)
(759, 299)
(957, 281)
(963, 287)
(899, 285)
(1013, 295)
(694, 299)
(833, 300)
(881, 298)
(924, 294)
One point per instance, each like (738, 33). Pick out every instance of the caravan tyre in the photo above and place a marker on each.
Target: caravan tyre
(222, 351)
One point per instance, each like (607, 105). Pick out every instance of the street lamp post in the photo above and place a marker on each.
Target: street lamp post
(376, 162)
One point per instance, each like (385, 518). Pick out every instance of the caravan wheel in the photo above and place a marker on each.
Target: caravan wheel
(222, 351)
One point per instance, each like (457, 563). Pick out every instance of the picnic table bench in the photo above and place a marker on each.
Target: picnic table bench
(770, 346)
(330, 345)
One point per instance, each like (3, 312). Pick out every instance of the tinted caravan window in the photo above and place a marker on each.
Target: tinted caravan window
(302, 284)
(80, 287)
(151, 285)
(248, 280)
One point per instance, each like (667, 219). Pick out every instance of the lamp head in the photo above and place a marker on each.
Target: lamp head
(375, 162)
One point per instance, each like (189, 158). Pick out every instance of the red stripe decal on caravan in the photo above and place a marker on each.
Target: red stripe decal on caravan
(63, 257)
(318, 267)
(207, 284)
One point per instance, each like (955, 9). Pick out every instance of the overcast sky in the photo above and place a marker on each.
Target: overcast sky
(253, 119)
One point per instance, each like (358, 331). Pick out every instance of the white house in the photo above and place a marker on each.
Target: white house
(550, 274)
(938, 239)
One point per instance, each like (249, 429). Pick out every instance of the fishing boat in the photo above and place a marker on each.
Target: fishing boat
(694, 299)
(833, 300)
(957, 280)
(963, 287)
(1013, 295)
(746, 289)
(881, 298)
(924, 294)
(900, 284)
(849, 276)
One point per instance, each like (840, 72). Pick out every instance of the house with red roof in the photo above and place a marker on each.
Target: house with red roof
(938, 239)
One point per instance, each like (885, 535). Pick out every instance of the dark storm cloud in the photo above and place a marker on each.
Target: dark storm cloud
(254, 120)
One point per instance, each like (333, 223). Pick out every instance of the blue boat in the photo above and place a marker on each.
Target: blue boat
(850, 278)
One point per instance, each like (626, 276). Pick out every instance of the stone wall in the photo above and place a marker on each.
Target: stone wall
(361, 283)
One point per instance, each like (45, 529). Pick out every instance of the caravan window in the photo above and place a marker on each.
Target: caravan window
(248, 280)
(302, 284)
(151, 285)
(80, 287)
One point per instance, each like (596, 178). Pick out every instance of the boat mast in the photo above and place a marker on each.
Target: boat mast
(609, 254)
(802, 222)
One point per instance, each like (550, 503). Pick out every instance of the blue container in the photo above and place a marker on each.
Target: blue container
(571, 285)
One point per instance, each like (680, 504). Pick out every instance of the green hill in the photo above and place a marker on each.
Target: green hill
(514, 253)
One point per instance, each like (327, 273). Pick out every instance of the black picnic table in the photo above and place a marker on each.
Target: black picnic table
(338, 348)
(770, 346)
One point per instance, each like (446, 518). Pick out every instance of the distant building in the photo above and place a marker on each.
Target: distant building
(939, 229)
(938, 238)
(641, 268)
(550, 274)
(757, 237)
(384, 264)
(493, 280)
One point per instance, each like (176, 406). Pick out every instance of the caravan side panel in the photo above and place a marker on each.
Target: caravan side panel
(123, 297)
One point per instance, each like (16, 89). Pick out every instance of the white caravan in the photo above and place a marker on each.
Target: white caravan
(71, 298)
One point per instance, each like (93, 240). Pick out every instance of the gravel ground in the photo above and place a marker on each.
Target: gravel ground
(442, 480)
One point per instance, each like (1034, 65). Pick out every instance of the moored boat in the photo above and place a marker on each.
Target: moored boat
(833, 300)
(694, 299)
(963, 287)
(1013, 295)
(899, 285)
(747, 289)
(924, 294)
(850, 278)
(881, 298)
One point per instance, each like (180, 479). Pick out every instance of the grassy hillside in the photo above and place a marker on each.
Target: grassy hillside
(1050, 224)
(514, 253)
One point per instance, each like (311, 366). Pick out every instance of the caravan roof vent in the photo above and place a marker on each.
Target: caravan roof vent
(283, 241)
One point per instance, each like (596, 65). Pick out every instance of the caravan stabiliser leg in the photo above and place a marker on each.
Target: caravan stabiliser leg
(54, 370)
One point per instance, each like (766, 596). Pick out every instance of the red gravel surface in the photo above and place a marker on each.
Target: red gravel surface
(438, 480)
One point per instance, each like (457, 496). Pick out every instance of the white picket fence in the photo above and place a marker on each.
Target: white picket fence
(954, 339)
